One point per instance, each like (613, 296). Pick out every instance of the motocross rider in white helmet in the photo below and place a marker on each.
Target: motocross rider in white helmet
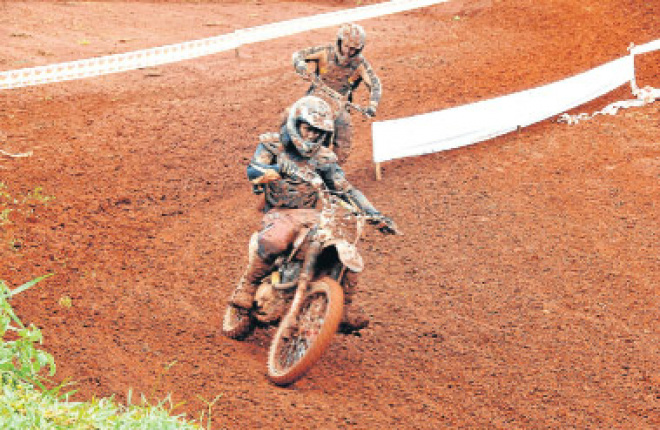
(341, 67)
(290, 202)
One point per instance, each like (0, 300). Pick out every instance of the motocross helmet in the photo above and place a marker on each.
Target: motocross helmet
(316, 113)
(350, 36)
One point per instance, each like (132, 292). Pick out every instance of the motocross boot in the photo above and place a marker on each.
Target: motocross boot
(354, 318)
(257, 269)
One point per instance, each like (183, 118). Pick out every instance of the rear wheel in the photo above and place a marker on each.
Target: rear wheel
(300, 341)
(237, 323)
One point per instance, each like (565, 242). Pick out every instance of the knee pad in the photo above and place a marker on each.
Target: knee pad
(272, 242)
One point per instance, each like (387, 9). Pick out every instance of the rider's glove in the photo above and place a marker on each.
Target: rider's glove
(383, 223)
(387, 226)
(289, 168)
(371, 111)
(301, 68)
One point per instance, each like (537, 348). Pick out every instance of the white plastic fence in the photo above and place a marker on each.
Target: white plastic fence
(197, 48)
(476, 122)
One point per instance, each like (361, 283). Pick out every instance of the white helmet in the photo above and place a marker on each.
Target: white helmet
(315, 112)
(350, 36)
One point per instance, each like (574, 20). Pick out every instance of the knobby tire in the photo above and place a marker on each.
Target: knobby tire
(323, 292)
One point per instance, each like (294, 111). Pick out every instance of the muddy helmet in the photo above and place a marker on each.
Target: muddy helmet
(315, 112)
(350, 36)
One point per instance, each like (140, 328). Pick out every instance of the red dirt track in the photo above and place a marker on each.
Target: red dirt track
(524, 294)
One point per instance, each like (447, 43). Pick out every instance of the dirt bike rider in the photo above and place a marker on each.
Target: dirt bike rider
(341, 67)
(290, 202)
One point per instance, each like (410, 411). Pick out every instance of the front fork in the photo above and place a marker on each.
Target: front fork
(306, 273)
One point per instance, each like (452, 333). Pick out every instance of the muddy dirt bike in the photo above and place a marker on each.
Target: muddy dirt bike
(304, 292)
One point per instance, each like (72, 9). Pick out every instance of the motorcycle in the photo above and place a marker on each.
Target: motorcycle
(304, 292)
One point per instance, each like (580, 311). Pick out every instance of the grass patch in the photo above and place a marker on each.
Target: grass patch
(26, 402)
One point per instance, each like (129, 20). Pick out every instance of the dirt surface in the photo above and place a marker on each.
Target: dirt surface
(524, 293)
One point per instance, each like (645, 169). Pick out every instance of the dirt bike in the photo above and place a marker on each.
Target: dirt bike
(304, 292)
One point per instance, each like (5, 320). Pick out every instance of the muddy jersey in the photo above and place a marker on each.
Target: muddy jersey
(323, 61)
(275, 150)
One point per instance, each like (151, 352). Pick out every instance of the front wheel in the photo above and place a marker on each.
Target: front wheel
(237, 323)
(300, 341)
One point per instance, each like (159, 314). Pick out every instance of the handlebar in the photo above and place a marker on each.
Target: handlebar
(341, 100)
(382, 223)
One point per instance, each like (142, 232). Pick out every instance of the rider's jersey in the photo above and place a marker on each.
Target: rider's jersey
(341, 78)
(293, 193)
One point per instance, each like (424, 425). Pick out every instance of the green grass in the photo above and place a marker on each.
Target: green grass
(26, 402)
(28, 399)
(24, 407)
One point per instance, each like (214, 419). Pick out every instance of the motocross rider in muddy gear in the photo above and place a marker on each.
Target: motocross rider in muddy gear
(341, 67)
(290, 203)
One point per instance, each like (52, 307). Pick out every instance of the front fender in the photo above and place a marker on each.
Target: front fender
(348, 254)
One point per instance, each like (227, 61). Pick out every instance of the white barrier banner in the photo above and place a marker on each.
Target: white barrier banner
(116, 63)
(648, 47)
(476, 122)
(645, 96)
(198, 48)
(299, 25)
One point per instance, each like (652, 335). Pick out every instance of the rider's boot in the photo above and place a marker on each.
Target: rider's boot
(354, 318)
(256, 271)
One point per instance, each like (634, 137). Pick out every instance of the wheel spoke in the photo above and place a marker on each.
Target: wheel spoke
(299, 343)
(310, 321)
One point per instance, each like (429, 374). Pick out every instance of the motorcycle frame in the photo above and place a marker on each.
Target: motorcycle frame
(317, 238)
